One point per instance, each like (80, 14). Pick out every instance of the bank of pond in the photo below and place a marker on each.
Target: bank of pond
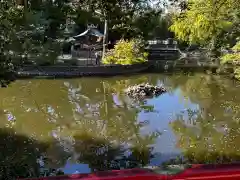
(67, 71)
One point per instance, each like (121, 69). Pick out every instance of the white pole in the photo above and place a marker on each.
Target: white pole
(105, 38)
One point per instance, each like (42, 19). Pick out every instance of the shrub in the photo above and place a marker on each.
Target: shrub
(126, 52)
(234, 59)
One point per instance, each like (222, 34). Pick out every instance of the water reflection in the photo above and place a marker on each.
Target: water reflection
(24, 157)
(79, 121)
(90, 121)
(210, 134)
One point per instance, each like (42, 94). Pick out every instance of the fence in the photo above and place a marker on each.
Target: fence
(163, 44)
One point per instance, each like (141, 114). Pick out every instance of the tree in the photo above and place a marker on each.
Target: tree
(206, 22)
(10, 19)
(29, 28)
(181, 5)
(233, 58)
(125, 18)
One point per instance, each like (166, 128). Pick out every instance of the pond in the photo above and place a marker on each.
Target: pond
(88, 124)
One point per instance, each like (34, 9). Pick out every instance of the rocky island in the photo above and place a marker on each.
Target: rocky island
(141, 91)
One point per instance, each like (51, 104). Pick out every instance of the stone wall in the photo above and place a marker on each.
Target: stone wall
(71, 71)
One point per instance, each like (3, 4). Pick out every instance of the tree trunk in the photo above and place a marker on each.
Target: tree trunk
(26, 4)
(105, 37)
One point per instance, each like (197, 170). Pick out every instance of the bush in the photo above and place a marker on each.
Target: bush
(126, 52)
(234, 59)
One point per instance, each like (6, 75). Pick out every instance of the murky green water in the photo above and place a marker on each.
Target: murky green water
(81, 125)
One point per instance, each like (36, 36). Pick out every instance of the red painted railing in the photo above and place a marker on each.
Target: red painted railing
(195, 172)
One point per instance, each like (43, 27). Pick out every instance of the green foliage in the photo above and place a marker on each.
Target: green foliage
(55, 13)
(142, 23)
(29, 31)
(126, 52)
(10, 18)
(206, 21)
(32, 40)
(233, 58)
(126, 19)
(236, 48)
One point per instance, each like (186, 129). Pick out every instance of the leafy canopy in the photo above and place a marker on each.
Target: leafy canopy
(205, 20)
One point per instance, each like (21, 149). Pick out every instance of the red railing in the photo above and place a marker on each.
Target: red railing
(196, 172)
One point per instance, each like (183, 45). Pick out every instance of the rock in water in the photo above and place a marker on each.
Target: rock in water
(142, 91)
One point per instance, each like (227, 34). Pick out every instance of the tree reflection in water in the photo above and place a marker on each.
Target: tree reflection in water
(109, 135)
(23, 157)
(211, 134)
(91, 121)
(19, 157)
(77, 121)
